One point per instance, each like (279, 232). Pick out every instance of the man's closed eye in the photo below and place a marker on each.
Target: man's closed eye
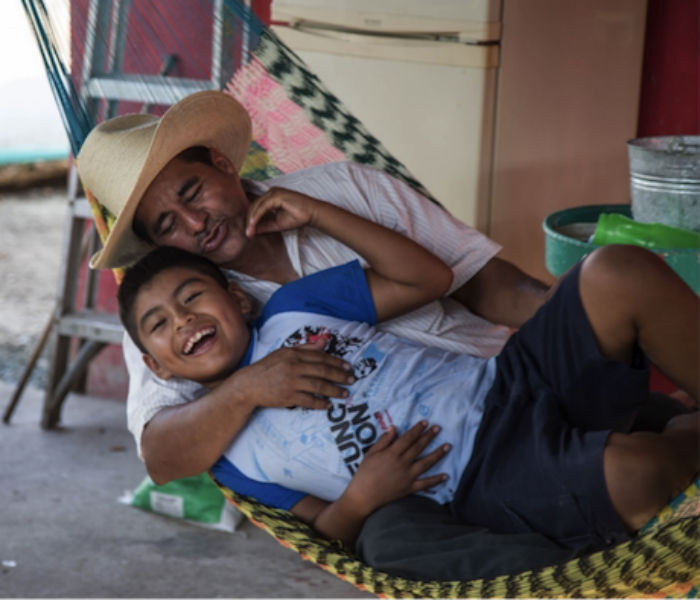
(192, 296)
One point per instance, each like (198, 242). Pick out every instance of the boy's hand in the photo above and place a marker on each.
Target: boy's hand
(392, 468)
(280, 209)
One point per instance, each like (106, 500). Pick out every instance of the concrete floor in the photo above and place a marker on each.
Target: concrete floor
(64, 534)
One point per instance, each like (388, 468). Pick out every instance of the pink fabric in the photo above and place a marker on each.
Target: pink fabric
(279, 125)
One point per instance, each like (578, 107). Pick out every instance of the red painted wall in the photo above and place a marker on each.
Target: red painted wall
(670, 94)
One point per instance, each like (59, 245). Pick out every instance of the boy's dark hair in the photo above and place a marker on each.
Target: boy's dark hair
(143, 271)
(193, 154)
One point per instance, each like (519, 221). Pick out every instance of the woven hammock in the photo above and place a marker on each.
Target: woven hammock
(663, 561)
(298, 123)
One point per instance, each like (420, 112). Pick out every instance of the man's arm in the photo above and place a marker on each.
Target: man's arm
(501, 293)
(187, 439)
(390, 471)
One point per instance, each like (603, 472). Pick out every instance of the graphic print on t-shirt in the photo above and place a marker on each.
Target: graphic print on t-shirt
(350, 423)
(336, 345)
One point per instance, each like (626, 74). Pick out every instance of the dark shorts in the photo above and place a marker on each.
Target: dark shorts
(537, 464)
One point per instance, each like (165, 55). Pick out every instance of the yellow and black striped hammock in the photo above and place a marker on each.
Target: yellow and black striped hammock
(663, 561)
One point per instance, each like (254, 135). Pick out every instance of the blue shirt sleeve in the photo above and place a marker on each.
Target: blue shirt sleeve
(269, 494)
(340, 291)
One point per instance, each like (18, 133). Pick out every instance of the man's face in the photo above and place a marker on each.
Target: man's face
(197, 207)
(191, 326)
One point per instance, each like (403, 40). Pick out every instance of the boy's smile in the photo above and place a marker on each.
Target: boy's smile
(191, 326)
(200, 341)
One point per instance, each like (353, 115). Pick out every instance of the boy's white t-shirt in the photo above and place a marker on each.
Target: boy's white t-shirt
(399, 383)
(373, 194)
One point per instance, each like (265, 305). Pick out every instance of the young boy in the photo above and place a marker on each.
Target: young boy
(539, 437)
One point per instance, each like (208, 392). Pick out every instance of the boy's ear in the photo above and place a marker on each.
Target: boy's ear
(221, 162)
(156, 367)
(241, 297)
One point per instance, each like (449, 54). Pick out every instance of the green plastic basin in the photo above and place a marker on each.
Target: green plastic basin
(566, 242)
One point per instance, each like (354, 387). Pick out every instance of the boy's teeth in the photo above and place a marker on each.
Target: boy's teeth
(195, 338)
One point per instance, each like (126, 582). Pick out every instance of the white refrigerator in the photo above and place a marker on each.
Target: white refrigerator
(506, 110)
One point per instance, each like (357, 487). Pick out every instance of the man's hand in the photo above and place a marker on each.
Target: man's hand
(187, 439)
(301, 376)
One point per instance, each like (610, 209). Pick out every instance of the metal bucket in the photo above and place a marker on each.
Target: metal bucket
(665, 180)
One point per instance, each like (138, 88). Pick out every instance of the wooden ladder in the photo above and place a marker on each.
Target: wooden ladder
(103, 80)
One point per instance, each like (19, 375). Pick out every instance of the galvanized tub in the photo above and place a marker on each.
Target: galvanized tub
(665, 180)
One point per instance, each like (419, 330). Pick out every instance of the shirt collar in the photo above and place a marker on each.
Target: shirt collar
(245, 361)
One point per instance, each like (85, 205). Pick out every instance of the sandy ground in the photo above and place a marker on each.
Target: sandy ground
(31, 238)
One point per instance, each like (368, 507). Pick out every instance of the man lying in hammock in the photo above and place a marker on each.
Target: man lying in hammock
(140, 166)
(539, 436)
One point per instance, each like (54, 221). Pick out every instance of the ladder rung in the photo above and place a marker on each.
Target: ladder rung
(91, 325)
(155, 89)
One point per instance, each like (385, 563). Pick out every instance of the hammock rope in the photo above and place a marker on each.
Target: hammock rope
(298, 123)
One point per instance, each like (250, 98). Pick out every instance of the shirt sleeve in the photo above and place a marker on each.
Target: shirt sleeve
(374, 195)
(398, 206)
(269, 494)
(340, 291)
(148, 394)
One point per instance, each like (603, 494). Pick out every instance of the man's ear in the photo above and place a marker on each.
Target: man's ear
(156, 367)
(221, 162)
(241, 297)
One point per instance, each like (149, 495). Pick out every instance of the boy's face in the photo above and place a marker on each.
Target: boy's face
(191, 326)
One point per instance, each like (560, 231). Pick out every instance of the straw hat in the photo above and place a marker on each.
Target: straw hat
(122, 156)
